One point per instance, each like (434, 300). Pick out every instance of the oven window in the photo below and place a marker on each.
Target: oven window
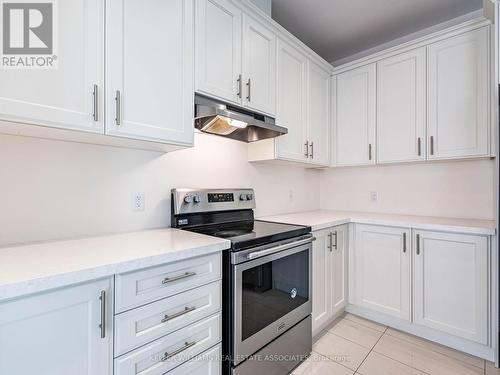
(272, 290)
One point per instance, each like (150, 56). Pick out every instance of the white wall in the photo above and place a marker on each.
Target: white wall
(462, 189)
(54, 190)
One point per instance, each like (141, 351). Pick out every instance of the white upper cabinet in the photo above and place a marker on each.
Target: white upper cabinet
(292, 103)
(458, 95)
(319, 114)
(218, 49)
(59, 332)
(71, 95)
(354, 118)
(259, 66)
(401, 115)
(381, 270)
(451, 284)
(149, 70)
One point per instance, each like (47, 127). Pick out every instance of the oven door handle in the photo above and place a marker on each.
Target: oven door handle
(276, 249)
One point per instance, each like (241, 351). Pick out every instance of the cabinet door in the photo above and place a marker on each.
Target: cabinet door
(354, 121)
(57, 333)
(218, 49)
(149, 69)
(382, 270)
(401, 115)
(259, 66)
(291, 108)
(321, 269)
(319, 114)
(63, 97)
(339, 268)
(458, 124)
(451, 284)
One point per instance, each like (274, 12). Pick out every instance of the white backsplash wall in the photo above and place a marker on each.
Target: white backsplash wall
(462, 189)
(54, 190)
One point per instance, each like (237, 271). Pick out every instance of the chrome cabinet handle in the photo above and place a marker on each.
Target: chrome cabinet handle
(306, 154)
(369, 151)
(118, 103)
(240, 89)
(95, 111)
(185, 275)
(312, 150)
(177, 314)
(432, 145)
(187, 345)
(330, 235)
(404, 242)
(249, 85)
(102, 326)
(419, 144)
(336, 239)
(418, 244)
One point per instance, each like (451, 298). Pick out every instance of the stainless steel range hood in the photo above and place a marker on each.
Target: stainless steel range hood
(216, 117)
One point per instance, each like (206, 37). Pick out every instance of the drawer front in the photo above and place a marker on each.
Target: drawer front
(170, 351)
(147, 323)
(209, 363)
(139, 288)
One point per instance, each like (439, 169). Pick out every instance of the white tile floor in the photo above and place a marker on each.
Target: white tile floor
(358, 346)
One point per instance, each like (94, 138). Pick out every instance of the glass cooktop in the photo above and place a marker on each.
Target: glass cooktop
(245, 234)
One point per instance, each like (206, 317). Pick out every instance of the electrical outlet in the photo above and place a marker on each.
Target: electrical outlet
(373, 196)
(138, 201)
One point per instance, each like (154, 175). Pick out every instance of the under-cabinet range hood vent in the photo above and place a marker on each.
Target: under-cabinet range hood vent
(216, 117)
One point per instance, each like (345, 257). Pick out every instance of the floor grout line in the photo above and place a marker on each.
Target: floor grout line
(446, 355)
(371, 350)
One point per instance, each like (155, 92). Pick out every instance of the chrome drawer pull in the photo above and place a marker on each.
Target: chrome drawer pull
(177, 314)
(187, 345)
(167, 280)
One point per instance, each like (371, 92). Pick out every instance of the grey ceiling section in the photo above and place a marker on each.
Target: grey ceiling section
(336, 29)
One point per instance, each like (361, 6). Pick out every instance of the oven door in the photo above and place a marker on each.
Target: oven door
(271, 294)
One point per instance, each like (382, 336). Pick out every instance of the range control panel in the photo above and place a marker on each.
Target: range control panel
(207, 200)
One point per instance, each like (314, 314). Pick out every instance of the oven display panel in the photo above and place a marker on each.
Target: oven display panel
(220, 197)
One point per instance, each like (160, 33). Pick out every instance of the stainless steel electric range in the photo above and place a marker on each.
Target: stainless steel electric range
(266, 280)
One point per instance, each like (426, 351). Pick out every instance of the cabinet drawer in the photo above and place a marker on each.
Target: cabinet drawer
(142, 287)
(209, 364)
(147, 323)
(170, 351)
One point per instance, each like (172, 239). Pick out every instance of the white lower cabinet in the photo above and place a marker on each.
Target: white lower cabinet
(58, 332)
(381, 269)
(439, 284)
(451, 284)
(329, 275)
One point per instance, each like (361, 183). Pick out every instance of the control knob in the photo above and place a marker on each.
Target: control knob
(197, 199)
(188, 199)
(249, 197)
(243, 197)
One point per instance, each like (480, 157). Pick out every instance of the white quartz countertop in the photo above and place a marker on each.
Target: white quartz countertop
(322, 219)
(33, 268)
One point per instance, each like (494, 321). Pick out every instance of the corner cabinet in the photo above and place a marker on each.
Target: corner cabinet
(59, 332)
(354, 103)
(149, 70)
(303, 107)
(381, 270)
(329, 276)
(458, 96)
(451, 284)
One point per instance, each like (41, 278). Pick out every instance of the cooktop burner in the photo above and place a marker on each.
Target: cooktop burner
(252, 233)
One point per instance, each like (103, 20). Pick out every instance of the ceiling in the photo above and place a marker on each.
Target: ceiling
(337, 29)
